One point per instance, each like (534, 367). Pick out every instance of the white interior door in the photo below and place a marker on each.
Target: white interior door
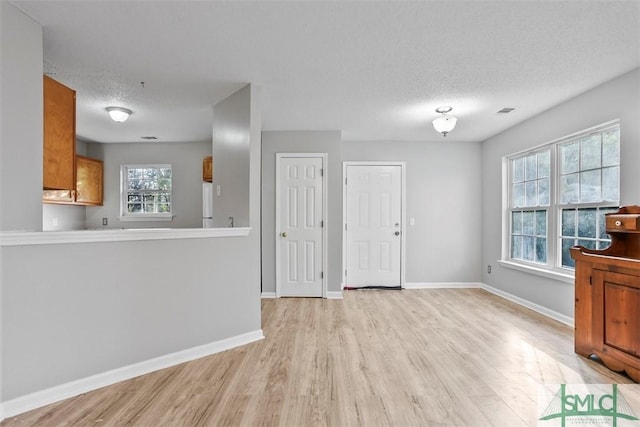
(373, 225)
(299, 214)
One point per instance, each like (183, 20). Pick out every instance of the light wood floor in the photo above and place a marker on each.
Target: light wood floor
(395, 358)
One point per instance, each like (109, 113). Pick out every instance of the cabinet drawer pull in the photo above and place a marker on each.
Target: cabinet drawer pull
(618, 223)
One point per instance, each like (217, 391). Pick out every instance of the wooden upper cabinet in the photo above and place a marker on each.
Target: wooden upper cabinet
(59, 136)
(207, 169)
(88, 181)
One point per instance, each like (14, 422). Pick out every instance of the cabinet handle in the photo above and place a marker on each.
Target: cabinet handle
(618, 223)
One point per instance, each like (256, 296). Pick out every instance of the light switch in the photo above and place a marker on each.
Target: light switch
(412, 221)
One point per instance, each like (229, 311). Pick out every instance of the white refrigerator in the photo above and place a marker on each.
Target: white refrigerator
(207, 205)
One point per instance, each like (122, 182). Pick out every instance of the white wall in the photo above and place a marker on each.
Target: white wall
(619, 98)
(443, 196)
(302, 142)
(186, 162)
(231, 136)
(21, 120)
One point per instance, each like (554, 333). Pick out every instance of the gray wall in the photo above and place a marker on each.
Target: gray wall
(74, 310)
(302, 142)
(78, 309)
(186, 162)
(619, 98)
(443, 196)
(21, 107)
(231, 136)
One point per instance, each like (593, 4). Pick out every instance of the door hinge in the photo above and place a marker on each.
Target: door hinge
(321, 171)
(345, 181)
(345, 273)
(590, 280)
(321, 224)
(322, 274)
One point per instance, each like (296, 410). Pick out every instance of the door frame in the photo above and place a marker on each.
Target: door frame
(325, 224)
(403, 213)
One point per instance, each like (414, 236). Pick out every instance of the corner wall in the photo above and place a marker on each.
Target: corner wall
(619, 98)
(21, 120)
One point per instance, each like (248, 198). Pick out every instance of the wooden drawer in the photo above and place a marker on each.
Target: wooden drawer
(623, 223)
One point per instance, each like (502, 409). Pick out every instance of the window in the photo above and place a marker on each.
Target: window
(558, 195)
(146, 192)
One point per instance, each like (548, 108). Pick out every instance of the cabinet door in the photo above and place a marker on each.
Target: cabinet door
(89, 181)
(207, 169)
(616, 313)
(59, 149)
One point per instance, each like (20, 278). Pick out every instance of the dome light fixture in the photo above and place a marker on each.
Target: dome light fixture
(119, 114)
(444, 124)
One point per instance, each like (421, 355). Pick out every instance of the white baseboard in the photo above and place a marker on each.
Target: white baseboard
(530, 305)
(37, 399)
(444, 285)
(334, 294)
(268, 295)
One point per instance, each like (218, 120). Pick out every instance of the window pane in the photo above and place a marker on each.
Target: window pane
(518, 195)
(589, 244)
(541, 250)
(590, 189)
(569, 157)
(516, 222)
(611, 148)
(528, 248)
(531, 167)
(518, 170)
(611, 184)
(567, 261)
(544, 164)
(528, 223)
(568, 222)
(531, 194)
(541, 223)
(134, 207)
(587, 223)
(569, 189)
(602, 222)
(543, 192)
(516, 247)
(590, 152)
(603, 244)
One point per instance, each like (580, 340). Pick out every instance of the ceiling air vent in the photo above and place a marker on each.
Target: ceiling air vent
(506, 110)
(148, 137)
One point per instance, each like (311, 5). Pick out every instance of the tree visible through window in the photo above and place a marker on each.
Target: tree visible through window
(146, 191)
(559, 194)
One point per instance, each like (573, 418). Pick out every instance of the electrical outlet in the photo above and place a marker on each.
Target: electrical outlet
(489, 268)
(105, 221)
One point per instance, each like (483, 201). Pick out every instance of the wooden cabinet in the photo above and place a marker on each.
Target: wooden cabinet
(207, 169)
(87, 190)
(88, 181)
(607, 295)
(59, 149)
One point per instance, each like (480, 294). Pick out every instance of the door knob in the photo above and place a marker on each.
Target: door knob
(284, 234)
(397, 233)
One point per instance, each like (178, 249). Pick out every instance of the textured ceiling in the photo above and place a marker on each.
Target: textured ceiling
(375, 70)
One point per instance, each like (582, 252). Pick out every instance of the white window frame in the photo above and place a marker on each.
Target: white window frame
(142, 216)
(553, 267)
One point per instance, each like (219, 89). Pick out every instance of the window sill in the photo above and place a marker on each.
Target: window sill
(9, 238)
(549, 274)
(146, 218)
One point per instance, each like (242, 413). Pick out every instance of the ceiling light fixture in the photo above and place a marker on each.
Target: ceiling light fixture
(119, 114)
(444, 124)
